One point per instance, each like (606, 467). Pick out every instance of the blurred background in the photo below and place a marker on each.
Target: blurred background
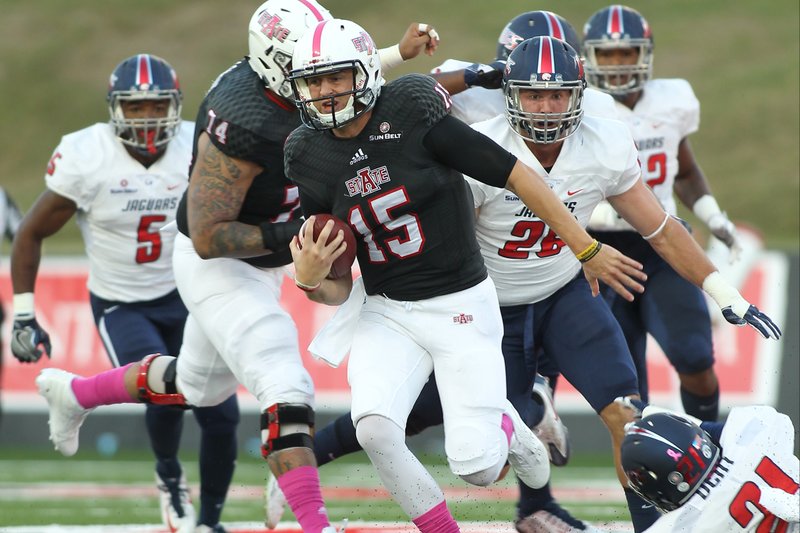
(740, 57)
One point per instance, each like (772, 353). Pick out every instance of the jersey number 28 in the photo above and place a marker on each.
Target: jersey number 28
(529, 232)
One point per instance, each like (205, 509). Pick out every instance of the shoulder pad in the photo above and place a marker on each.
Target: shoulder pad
(420, 97)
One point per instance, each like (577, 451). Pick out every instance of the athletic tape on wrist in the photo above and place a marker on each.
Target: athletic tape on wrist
(390, 57)
(705, 208)
(24, 306)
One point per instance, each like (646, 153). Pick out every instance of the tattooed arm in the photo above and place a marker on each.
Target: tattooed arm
(216, 192)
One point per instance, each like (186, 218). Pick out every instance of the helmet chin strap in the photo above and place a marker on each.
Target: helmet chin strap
(347, 113)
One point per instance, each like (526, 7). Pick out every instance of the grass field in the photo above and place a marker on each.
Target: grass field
(40, 489)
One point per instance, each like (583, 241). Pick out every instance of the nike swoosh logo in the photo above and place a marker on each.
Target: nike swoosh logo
(573, 193)
(110, 310)
(173, 187)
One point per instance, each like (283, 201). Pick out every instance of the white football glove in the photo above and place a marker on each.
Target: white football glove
(707, 210)
(725, 230)
(736, 309)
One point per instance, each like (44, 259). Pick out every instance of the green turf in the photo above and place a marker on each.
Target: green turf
(19, 469)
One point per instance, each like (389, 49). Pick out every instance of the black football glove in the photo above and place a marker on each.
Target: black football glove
(487, 76)
(26, 338)
(755, 318)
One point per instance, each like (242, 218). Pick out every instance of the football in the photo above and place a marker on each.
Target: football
(342, 265)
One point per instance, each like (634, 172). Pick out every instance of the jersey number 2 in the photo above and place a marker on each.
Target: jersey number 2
(657, 167)
(149, 239)
(750, 493)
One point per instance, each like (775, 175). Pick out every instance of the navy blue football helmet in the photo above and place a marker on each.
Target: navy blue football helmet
(543, 63)
(666, 458)
(535, 24)
(618, 27)
(144, 77)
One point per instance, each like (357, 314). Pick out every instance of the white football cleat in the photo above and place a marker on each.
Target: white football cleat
(177, 512)
(526, 453)
(550, 430)
(331, 529)
(66, 414)
(274, 503)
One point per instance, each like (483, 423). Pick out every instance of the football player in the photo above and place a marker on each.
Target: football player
(235, 221)
(429, 302)
(737, 476)
(10, 218)
(123, 181)
(583, 160)
(661, 114)
(484, 99)
(480, 102)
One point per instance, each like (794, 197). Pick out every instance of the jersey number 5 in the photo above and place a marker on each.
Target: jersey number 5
(750, 493)
(149, 239)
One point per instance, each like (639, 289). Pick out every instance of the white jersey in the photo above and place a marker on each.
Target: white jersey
(754, 488)
(477, 104)
(123, 208)
(666, 113)
(597, 161)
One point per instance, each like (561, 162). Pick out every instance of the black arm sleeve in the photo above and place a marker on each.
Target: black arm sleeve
(470, 152)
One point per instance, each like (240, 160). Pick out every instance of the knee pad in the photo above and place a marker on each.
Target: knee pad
(484, 478)
(472, 449)
(166, 366)
(282, 425)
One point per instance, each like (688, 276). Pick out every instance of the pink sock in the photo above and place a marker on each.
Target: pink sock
(507, 426)
(437, 520)
(304, 495)
(105, 388)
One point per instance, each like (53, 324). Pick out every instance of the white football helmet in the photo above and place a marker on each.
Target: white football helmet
(275, 27)
(336, 46)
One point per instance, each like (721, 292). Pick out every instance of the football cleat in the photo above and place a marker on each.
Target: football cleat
(274, 503)
(331, 529)
(558, 521)
(202, 528)
(526, 453)
(550, 430)
(177, 512)
(66, 414)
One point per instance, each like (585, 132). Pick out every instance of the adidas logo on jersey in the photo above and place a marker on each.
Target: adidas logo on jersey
(359, 156)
